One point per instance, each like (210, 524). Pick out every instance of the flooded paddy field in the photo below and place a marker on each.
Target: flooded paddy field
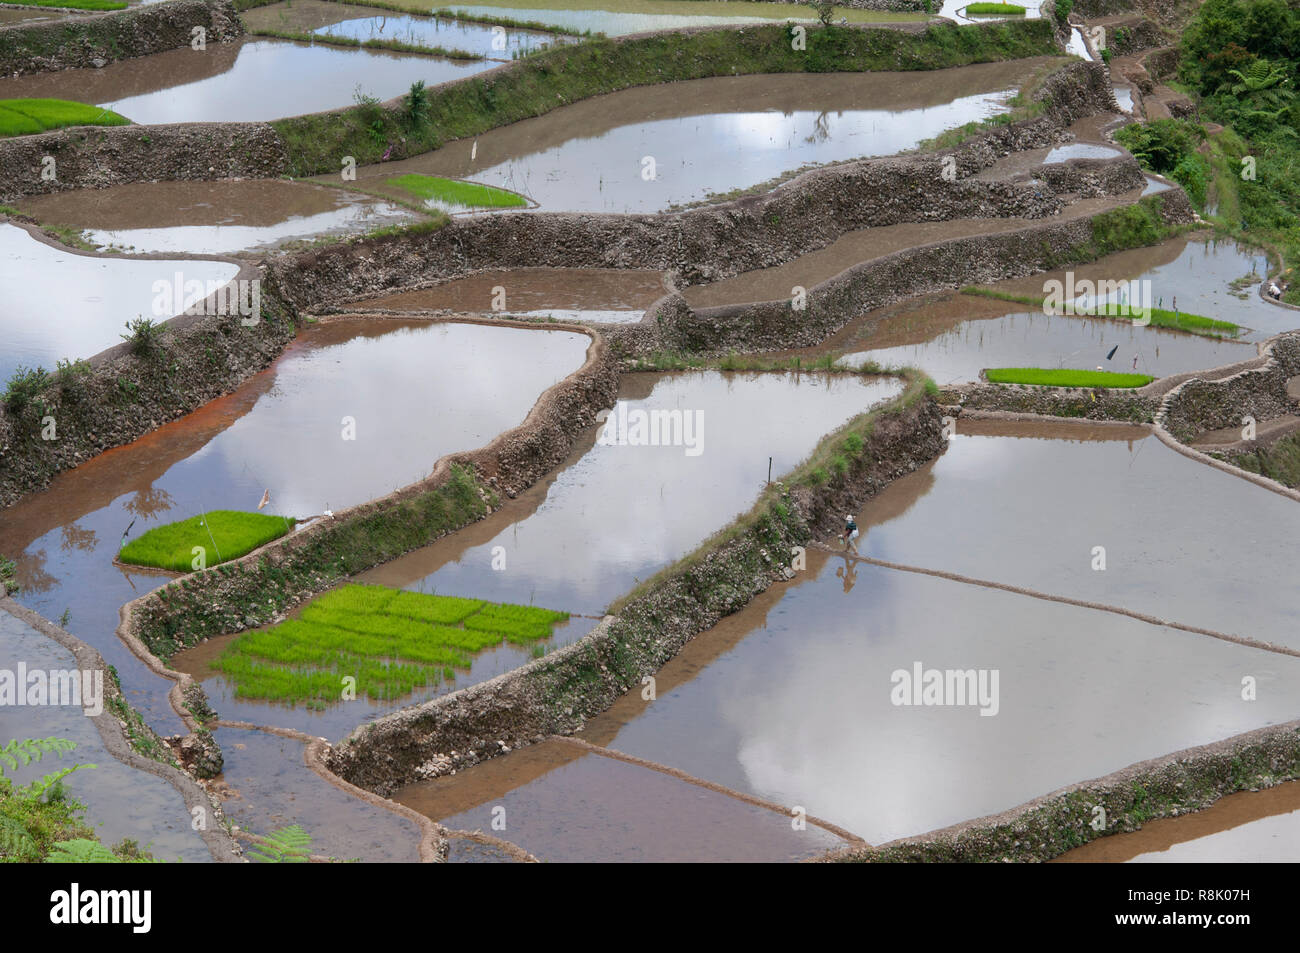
(566, 294)
(803, 709)
(540, 549)
(1194, 275)
(249, 81)
(955, 337)
(791, 700)
(708, 137)
(1247, 827)
(65, 305)
(265, 785)
(563, 804)
(658, 502)
(213, 218)
(1183, 541)
(367, 23)
(639, 16)
(282, 431)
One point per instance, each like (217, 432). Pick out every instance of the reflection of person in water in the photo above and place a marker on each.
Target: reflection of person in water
(848, 572)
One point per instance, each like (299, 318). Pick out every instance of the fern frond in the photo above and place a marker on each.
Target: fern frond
(39, 787)
(24, 752)
(16, 841)
(288, 845)
(81, 851)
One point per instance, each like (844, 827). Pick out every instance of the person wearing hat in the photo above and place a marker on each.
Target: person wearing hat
(850, 536)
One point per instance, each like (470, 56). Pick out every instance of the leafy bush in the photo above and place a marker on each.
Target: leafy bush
(24, 386)
(144, 336)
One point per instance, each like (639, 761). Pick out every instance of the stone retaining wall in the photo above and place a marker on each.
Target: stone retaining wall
(90, 42)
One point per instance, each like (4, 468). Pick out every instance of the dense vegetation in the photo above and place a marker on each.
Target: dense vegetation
(1241, 60)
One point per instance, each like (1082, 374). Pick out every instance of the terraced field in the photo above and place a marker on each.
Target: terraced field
(641, 431)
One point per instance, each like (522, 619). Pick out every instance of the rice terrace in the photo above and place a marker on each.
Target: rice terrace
(650, 431)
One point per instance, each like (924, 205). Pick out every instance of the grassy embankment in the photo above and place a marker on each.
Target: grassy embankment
(222, 535)
(390, 641)
(537, 84)
(1159, 317)
(1064, 377)
(1279, 461)
(25, 117)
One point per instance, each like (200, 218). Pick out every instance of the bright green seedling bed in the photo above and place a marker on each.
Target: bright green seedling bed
(1058, 377)
(392, 642)
(23, 117)
(1006, 9)
(221, 535)
(457, 193)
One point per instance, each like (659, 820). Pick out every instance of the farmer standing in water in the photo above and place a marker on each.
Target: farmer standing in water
(850, 534)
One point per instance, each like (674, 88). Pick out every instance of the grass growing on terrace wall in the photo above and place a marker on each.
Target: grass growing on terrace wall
(392, 642)
(1064, 377)
(24, 117)
(221, 534)
(537, 84)
(1278, 461)
(393, 45)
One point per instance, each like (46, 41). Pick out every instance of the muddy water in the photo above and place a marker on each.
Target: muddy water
(418, 392)
(265, 785)
(213, 218)
(792, 699)
(1124, 96)
(711, 136)
(253, 80)
(1247, 827)
(636, 16)
(567, 294)
(951, 342)
(1154, 185)
(1183, 541)
(619, 513)
(9, 15)
(121, 801)
(62, 305)
(1081, 150)
(562, 804)
(1192, 274)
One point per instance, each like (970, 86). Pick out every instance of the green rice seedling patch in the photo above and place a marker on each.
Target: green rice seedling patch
(453, 192)
(23, 117)
(204, 540)
(391, 642)
(1064, 377)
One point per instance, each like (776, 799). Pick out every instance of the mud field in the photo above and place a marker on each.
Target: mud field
(561, 386)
